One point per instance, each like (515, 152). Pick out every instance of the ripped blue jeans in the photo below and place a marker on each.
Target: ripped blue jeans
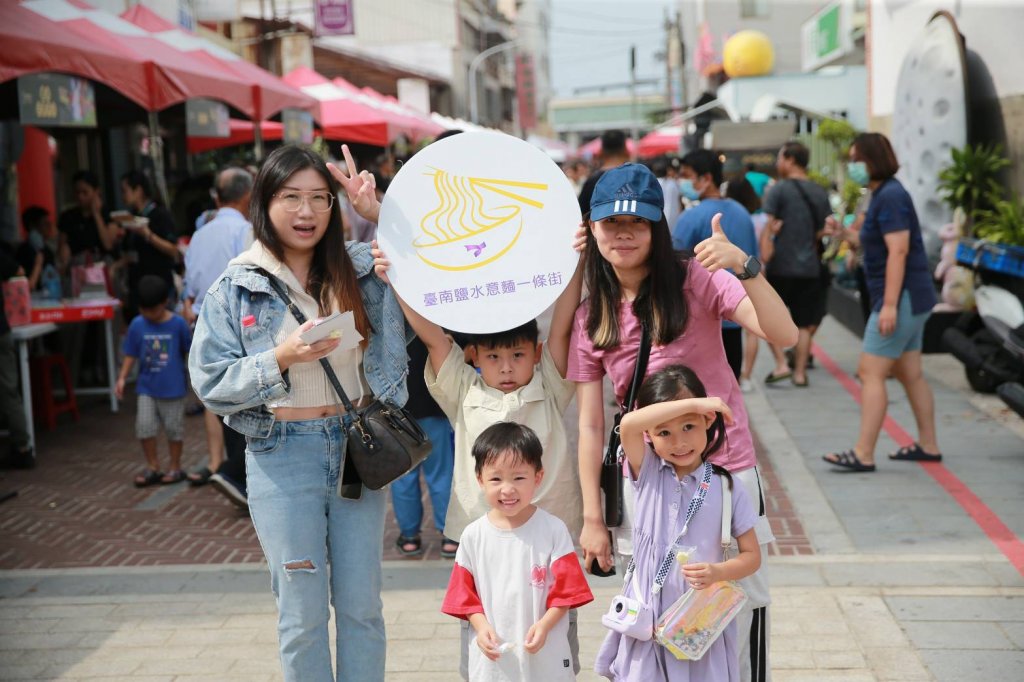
(321, 548)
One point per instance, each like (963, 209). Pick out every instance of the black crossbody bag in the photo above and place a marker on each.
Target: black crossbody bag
(384, 441)
(611, 466)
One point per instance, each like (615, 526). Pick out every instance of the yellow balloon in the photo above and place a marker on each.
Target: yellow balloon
(748, 53)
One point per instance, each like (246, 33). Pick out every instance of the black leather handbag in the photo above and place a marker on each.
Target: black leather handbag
(385, 442)
(611, 466)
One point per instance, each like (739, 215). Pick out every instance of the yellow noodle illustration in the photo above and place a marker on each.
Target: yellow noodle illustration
(462, 224)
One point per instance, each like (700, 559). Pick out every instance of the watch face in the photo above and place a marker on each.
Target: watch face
(752, 267)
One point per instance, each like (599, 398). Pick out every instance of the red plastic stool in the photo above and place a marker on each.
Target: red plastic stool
(45, 406)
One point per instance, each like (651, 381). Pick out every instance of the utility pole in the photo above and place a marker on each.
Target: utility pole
(682, 59)
(634, 128)
(669, 88)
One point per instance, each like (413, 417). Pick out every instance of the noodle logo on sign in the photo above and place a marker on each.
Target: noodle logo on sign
(476, 220)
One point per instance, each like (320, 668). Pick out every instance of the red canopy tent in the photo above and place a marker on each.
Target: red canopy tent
(69, 36)
(270, 93)
(34, 43)
(341, 118)
(401, 120)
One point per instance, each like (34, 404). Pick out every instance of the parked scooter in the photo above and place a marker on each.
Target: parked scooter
(990, 344)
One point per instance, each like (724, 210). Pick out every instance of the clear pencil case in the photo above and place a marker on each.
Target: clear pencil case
(698, 618)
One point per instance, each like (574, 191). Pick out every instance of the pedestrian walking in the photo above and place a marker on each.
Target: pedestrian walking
(902, 297)
(797, 209)
(321, 530)
(159, 341)
(210, 250)
(635, 279)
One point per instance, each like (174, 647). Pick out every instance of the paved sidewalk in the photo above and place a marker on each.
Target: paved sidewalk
(215, 623)
(893, 579)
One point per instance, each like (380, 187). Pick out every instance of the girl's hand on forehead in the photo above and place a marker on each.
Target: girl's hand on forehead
(710, 406)
(717, 252)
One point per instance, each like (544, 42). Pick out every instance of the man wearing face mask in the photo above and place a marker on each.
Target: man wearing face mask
(797, 209)
(701, 172)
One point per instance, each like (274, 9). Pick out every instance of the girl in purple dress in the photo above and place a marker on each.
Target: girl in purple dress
(667, 442)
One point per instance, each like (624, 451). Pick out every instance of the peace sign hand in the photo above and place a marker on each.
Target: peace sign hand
(359, 186)
(717, 252)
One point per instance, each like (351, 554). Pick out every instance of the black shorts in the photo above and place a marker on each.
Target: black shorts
(803, 296)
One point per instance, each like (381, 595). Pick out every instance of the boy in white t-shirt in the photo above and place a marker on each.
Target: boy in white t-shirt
(516, 573)
(508, 387)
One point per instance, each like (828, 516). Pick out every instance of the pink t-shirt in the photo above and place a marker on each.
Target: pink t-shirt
(709, 298)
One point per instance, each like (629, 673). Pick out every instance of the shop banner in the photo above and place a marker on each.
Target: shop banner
(54, 99)
(334, 18)
(479, 229)
(298, 126)
(206, 118)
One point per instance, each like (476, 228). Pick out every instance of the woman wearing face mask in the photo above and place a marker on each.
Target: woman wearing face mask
(321, 530)
(902, 296)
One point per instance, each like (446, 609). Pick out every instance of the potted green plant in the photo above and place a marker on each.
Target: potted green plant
(971, 181)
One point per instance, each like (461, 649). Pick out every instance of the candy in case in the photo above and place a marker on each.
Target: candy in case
(692, 624)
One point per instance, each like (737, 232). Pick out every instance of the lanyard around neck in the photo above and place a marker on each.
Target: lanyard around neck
(695, 504)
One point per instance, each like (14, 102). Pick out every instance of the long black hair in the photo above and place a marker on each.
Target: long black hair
(676, 382)
(659, 305)
(331, 275)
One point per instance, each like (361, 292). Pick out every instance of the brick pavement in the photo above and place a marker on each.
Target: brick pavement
(78, 507)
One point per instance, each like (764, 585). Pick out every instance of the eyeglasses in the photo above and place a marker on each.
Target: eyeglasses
(291, 200)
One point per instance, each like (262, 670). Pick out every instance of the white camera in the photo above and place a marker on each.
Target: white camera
(630, 617)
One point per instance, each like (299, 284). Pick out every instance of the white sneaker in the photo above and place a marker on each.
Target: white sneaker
(746, 385)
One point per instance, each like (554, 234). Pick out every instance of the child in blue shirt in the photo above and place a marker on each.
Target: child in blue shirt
(159, 341)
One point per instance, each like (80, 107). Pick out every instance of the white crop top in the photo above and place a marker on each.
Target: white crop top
(310, 386)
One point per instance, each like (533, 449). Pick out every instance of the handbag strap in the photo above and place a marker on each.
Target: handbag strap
(643, 354)
(819, 224)
(300, 317)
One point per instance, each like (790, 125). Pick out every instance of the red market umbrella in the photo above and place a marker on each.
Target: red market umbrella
(48, 35)
(241, 133)
(270, 94)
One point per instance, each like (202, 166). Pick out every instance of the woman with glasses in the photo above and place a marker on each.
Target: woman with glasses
(320, 529)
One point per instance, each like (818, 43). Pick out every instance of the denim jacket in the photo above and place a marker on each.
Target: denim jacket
(233, 367)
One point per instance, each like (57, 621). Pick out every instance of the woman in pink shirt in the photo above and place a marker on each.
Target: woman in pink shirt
(633, 275)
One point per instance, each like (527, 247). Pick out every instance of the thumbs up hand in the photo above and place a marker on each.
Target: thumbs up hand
(717, 252)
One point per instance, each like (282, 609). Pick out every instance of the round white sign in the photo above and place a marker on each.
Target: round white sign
(478, 228)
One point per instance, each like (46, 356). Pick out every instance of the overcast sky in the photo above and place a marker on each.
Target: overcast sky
(590, 42)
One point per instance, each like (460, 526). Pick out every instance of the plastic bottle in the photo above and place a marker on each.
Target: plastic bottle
(51, 282)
